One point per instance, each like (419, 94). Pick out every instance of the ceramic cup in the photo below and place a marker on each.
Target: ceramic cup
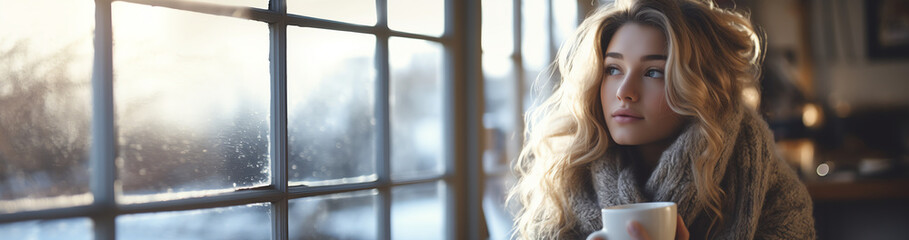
(657, 218)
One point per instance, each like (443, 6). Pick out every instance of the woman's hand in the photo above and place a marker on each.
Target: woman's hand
(637, 231)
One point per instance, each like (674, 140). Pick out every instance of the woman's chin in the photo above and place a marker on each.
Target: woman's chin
(625, 141)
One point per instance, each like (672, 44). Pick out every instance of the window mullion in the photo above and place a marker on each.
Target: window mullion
(278, 54)
(550, 22)
(464, 84)
(520, 87)
(383, 120)
(103, 149)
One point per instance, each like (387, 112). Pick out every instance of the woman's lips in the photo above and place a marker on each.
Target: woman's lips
(626, 116)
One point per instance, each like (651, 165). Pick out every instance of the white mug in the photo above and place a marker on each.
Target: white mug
(657, 218)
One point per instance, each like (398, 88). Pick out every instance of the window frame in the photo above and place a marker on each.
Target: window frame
(520, 81)
(461, 83)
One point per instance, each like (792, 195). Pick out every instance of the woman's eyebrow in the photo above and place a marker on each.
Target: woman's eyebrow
(644, 58)
(614, 55)
(653, 57)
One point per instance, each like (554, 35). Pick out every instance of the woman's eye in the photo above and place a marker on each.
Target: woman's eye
(653, 73)
(612, 71)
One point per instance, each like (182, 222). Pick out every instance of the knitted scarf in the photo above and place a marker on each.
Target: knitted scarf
(763, 197)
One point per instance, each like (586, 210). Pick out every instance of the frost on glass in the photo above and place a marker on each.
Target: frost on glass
(45, 103)
(192, 103)
(70, 228)
(330, 98)
(417, 16)
(418, 211)
(248, 222)
(362, 12)
(416, 108)
(337, 216)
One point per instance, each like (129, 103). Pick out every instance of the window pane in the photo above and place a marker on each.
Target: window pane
(565, 16)
(45, 103)
(70, 228)
(361, 12)
(242, 3)
(502, 116)
(418, 211)
(416, 108)
(417, 16)
(336, 216)
(330, 98)
(537, 51)
(498, 27)
(192, 102)
(498, 216)
(239, 222)
(535, 47)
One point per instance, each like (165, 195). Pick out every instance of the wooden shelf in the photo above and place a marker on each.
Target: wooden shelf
(859, 190)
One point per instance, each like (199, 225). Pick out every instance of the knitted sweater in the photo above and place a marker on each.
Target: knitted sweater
(763, 196)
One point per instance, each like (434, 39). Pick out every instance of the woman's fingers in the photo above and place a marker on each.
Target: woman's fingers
(637, 231)
(681, 231)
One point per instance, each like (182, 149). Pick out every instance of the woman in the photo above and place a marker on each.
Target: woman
(649, 109)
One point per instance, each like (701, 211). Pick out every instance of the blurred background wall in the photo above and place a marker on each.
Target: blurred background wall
(835, 92)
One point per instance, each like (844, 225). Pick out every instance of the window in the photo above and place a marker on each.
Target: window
(248, 119)
(519, 41)
(258, 119)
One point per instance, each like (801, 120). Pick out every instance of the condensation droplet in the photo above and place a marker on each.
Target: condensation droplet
(337, 145)
(205, 150)
(142, 172)
(235, 184)
(294, 167)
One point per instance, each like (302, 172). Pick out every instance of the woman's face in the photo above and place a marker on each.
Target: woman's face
(632, 91)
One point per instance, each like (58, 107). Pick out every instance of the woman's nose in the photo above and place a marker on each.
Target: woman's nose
(628, 90)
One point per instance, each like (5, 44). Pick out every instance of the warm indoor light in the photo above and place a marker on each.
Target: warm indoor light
(823, 169)
(806, 155)
(811, 115)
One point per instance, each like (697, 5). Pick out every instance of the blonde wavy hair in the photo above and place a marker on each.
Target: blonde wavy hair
(712, 55)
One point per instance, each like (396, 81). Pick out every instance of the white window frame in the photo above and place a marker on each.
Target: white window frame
(462, 99)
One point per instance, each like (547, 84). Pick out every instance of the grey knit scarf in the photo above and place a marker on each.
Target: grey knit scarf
(763, 197)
